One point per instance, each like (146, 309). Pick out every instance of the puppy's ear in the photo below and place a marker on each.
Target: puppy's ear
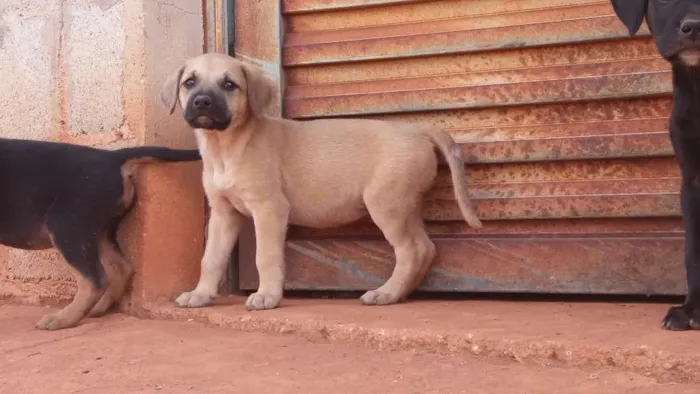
(631, 13)
(260, 90)
(171, 91)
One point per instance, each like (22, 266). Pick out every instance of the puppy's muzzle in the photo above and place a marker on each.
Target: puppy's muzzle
(205, 111)
(202, 101)
(689, 32)
(690, 29)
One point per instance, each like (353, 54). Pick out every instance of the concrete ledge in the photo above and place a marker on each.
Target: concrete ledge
(583, 335)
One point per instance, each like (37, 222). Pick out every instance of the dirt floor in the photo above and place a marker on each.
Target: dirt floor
(623, 336)
(121, 354)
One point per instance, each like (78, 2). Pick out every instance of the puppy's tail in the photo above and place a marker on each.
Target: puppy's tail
(450, 150)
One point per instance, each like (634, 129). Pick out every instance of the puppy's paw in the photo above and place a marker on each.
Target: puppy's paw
(376, 297)
(52, 322)
(260, 301)
(678, 319)
(193, 299)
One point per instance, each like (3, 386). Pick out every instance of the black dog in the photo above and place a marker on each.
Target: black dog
(72, 198)
(675, 25)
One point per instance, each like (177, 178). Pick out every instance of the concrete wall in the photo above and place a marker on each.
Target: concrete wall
(89, 72)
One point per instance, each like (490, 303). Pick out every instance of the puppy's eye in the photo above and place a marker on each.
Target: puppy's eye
(229, 85)
(189, 82)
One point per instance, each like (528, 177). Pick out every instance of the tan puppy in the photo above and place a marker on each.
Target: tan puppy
(319, 173)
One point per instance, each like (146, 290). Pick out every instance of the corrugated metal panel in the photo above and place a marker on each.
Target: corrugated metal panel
(561, 116)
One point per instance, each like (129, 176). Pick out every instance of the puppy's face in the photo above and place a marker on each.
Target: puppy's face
(217, 92)
(675, 25)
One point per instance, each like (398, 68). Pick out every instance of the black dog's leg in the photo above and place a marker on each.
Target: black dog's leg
(77, 238)
(118, 270)
(687, 316)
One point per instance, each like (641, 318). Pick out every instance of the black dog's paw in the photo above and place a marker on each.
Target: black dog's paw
(678, 319)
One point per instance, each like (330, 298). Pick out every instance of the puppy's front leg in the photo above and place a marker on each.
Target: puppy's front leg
(687, 316)
(271, 221)
(224, 226)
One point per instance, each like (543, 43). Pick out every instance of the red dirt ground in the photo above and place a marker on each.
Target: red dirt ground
(623, 336)
(120, 354)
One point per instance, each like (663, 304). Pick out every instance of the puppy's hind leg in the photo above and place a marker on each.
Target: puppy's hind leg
(427, 251)
(404, 229)
(77, 241)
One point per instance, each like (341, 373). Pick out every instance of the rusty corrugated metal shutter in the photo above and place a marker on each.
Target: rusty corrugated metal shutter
(561, 116)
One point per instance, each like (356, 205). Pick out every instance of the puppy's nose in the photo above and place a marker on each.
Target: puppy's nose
(690, 28)
(202, 101)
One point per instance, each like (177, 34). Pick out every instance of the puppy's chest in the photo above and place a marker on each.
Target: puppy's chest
(228, 186)
(220, 175)
(223, 180)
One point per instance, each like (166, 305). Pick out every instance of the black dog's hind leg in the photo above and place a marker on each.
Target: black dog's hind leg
(77, 238)
(117, 267)
(687, 316)
(118, 270)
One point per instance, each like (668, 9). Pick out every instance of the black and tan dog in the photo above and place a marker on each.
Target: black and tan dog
(675, 25)
(72, 198)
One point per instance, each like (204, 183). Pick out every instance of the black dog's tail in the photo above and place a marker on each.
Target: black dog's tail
(147, 154)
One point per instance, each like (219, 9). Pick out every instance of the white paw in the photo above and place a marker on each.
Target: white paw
(261, 301)
(53, 322)
(374, 297)
(192, 299)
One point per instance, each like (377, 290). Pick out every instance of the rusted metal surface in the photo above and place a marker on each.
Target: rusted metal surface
(614, 170)
(527, 93)
(562, 229)
(219, 26)
(470, 14)
(586, 206)
(624, 265)
(605, 192)
(561, 117)
(374, 12)
(315, 36)
(485, 63)
(499, 77)
(484, 79)
(596, 147)
(295, 6)
(407, 44)
(259, 41)
(557, 120)
(207, 16)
